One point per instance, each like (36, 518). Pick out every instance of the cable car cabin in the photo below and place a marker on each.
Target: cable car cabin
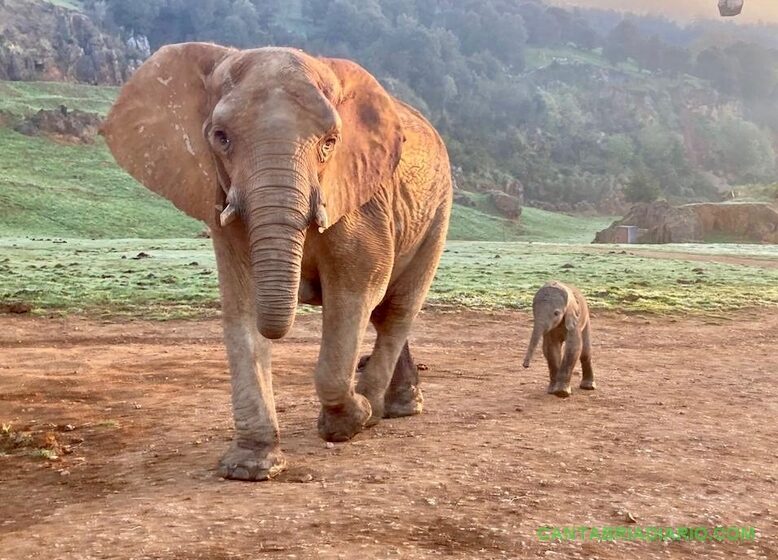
(729, 8)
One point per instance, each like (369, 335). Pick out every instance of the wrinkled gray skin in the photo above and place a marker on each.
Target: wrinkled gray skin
(561, 316)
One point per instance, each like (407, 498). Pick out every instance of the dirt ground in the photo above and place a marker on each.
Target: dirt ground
(682, 432)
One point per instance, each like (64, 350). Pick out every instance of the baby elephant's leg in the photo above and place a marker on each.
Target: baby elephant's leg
(552, 351)
(587, 377)
(571, 356)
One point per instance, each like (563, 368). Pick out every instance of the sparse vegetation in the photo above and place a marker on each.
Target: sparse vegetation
(178, 278)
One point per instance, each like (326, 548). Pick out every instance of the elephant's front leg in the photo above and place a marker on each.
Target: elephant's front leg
(255, 452)
(572, 354)
(344, 412)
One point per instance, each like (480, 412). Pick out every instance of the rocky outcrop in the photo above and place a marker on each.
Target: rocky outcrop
(41, 41)
(62, 124)
(750, 221)
(507, 205)
(659, 222)
(463, 199)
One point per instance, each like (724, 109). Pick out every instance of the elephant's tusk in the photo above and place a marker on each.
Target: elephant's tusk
(322, 220)
(227, 216)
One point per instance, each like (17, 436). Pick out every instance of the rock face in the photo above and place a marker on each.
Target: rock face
(40, 41)
(659, 222)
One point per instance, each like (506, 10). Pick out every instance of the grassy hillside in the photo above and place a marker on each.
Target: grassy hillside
(471, 224)
(484, 223)
(77, 191)
(23, 98)
(54, 189)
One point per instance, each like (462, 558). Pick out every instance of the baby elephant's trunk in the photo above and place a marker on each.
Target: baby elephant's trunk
(537, 332)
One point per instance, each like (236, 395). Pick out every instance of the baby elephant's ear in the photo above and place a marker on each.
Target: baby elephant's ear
(571, 320)
(154, 129)
(371, 140)
(573, 311)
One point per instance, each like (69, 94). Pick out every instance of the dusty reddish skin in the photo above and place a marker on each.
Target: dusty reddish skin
(682, 431)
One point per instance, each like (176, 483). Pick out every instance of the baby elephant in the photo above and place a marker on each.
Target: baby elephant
(562, 316)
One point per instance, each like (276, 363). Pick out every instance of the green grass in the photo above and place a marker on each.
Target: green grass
(49, 189)
(539, 225)
(24, 98)
(77, 192)
(495, 275)
(53, 189)
(102, 278)
(763, 251)
(179, 279)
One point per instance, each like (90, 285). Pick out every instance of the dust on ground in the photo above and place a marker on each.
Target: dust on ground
(112, 432)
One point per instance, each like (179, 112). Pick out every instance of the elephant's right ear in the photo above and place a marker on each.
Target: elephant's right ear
(154, 128)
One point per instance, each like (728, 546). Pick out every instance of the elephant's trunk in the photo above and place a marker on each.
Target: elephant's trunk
(537, 333)
(278, 214)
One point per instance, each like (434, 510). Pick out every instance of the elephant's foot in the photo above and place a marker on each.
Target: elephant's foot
(405, 402)
(342, 422)
(588, 384)
(559, 390)
(241, 463)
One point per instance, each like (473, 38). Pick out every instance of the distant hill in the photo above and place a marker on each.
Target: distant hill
(576, 105)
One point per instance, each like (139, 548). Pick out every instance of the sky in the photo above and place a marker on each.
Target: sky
(754, 11)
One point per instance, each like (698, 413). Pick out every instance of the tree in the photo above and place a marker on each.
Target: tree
(622, 42)
(139, 15)
(641, 188)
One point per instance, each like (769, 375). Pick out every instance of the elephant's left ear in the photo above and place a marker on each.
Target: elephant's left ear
(371, 140)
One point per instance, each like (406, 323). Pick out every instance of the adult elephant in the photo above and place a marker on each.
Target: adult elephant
(319, 188)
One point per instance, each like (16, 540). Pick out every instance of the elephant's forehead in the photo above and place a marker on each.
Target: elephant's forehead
(272, 77)
(269, 66)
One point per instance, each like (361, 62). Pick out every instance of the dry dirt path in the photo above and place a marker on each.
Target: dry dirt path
(682, 432)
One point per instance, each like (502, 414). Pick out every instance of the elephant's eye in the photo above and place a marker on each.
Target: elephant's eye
(221, 139)
(327, 146)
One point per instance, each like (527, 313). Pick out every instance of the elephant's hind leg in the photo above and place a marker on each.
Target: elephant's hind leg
(389, 378)
(404, 396)
(587, 377)
(390, 356)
